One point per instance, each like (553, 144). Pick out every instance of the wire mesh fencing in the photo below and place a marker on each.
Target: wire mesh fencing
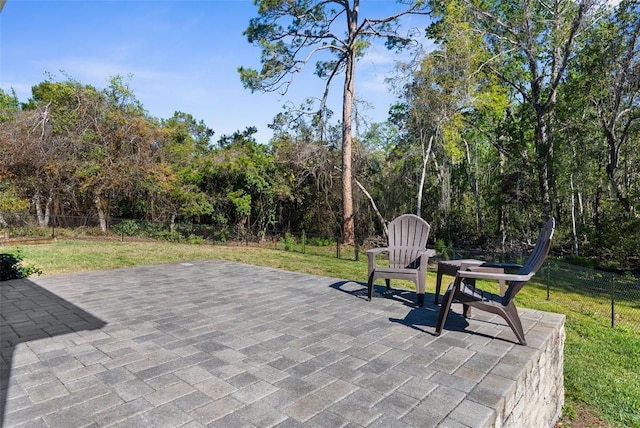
(608, 297)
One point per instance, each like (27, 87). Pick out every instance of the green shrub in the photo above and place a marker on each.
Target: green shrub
(11, 267)
(31, 231)
(169, 236)
(320, 242)
(90, 231)
(581, 261)
(222, 235)
(444, 249)
(288, 241)
(195, 239)
(127, 228)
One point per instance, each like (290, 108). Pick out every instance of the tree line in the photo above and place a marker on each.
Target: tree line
(523, 110)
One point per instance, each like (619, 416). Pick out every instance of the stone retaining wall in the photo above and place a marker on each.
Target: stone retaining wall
(537, 397)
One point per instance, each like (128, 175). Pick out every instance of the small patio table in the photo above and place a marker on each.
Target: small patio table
(451, 268)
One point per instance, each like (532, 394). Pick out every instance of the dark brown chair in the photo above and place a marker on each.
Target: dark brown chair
(408, 254)
(464, 290)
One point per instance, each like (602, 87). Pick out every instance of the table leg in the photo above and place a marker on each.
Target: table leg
(438, 284)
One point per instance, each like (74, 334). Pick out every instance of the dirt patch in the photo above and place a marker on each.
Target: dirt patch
(582, 418)
(25, 241)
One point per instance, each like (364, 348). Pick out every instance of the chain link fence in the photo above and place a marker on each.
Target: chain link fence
(607, 297)
(611, 298)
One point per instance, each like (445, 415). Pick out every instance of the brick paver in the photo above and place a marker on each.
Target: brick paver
(223, 344)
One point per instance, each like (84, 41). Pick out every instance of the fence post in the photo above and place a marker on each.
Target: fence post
(548, 279)
(613, 300)
(357, 250)
(337, 247)
(304, 242)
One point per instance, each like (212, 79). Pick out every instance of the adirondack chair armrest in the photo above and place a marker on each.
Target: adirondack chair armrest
(485, 269)
(373, 252)
(505, 266)
(423, 257)
(428, 253)
(371, 256)
(477, 273)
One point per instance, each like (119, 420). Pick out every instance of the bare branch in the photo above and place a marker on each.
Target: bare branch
(382, 220)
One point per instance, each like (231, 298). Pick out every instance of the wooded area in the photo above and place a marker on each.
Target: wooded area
(524, 110)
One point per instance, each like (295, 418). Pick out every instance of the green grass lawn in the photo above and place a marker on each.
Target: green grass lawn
(602, 365)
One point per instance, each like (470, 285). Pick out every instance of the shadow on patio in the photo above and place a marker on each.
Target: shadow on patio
(29, 312)
(419, 318)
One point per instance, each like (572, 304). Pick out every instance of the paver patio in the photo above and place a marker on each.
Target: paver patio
(223, 344)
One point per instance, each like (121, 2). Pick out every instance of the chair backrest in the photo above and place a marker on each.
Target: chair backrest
(408, 236)
(535, 260)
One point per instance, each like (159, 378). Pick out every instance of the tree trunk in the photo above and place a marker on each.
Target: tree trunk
(102, 218)
(612, 166)
(615, 140)
(425, 159)
(474, 189)
(501, 214)
(348, 222)
(544, 152)
(47, 211)
(43, 214)
(573, 217)
(37, 201)
(444, 175)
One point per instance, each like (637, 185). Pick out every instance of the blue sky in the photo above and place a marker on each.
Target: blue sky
(183, 55)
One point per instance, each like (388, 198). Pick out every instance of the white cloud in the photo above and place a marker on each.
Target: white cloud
(96, 71)
(379, 56)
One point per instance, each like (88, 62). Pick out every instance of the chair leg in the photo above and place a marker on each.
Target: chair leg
(513, 319)
(444, 308)
(438, 284)
(388, 282)
(370, 286)
(420, 286)
(466, 311)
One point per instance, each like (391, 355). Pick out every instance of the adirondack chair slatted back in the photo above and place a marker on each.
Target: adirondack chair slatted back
(407, 253)
(535, 260)
(408, 236)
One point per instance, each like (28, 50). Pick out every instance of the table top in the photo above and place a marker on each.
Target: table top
(460, 262)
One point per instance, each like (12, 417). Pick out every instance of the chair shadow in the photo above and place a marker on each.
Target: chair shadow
(360, 290)
(423, 319)
(30, 312)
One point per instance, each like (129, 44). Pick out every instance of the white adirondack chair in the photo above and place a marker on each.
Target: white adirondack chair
(408, 254)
